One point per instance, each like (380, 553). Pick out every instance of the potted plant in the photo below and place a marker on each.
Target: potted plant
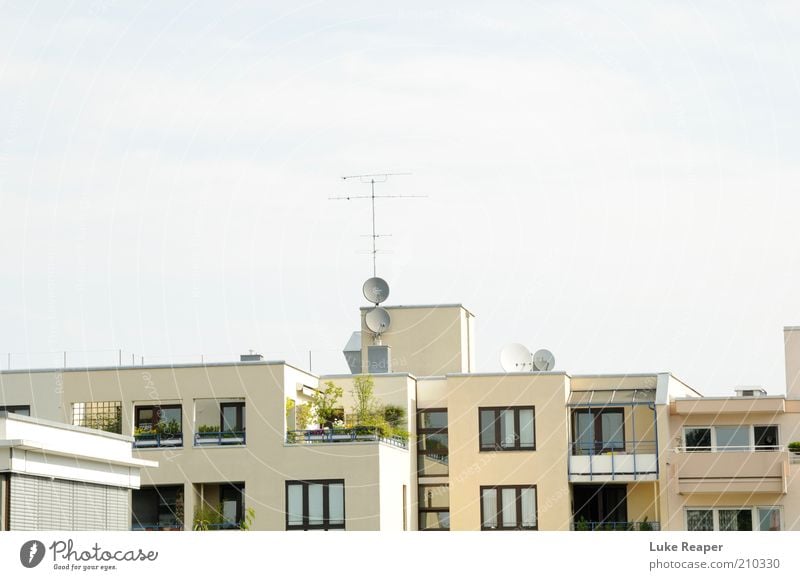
(207, 434)
(794, 447)
(645, 526)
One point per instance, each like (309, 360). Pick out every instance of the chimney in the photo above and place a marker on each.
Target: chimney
(791, 342)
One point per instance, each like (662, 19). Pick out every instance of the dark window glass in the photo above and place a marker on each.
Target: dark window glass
(157, 508)
(697, 438)
(507, 429)
(736, 520)
(766, 437)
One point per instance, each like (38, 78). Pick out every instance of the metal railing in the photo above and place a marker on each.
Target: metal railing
(608, 447)
(350, 435)
(725, 448)
(219, 438)
(644, 526)
(153, 440)
(157, 527)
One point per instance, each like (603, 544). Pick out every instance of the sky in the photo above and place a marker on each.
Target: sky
(615, 182)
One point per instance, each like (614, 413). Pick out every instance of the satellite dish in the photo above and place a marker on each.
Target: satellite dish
(376, 290)
(515, 358)
(543, 360)
(378, 320)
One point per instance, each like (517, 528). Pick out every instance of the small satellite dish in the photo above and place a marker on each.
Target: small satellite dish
(378, 320)
(543, 360)
(376, 290)
(515, 358)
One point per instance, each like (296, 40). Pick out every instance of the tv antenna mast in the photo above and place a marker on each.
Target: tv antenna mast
(372, 179)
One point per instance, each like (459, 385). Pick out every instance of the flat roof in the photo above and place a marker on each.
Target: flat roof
(159, 366)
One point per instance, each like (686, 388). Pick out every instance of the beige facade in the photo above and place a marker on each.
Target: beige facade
(493, 451)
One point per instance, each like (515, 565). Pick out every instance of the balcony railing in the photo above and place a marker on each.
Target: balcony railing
(219, 438)
(159, 527)
(354, 434)
(584, 526)
(726, 448)
(613, 460)
(152, 440)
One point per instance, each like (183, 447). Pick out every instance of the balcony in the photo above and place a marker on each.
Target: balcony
(219, 438)
(156, 440)
(732, 470)
(604, 461)
(643, 526)
(348, 435)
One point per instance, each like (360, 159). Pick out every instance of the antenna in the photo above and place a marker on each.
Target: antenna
(372, 179)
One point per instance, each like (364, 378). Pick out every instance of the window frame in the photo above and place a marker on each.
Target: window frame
(428, 510)
(240, 416)
(325, 525)
(432, 431)
(137, 408)
(497, 445)
(518, 505)
(597, 413)
(754, 511)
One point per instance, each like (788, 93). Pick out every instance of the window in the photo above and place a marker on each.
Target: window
(511, 507)
(231, 501)
(598, 430)
(765, 437)
(432, 442)
(769, 519)
(157, 508)
(231, 417)
(507, 429)
(697, 438)
(18, 409)
(733, 519)
(315, 505)
(434, 507)
(731, 438)
(103, 415)
(158, 425)
(700, 520)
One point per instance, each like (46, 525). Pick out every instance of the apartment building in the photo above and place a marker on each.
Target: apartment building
(485, 451)
(55, 476)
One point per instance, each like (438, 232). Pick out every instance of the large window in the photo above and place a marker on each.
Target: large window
(156, 426)
(432, 442)
(511, 507)
(231, 501)
(18, 409)
(598, 431)
(729, 519)
(103, 415)
(315, 505)
(232, 417)
(434, 507)
(507, 429)
(157, 508)
(731, 438)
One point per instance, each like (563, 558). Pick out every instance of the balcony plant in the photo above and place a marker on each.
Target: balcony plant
(794, 447)
(645, 526)
(326, 404)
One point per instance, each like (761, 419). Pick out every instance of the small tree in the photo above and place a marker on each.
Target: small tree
(326, 403)
(366, 405)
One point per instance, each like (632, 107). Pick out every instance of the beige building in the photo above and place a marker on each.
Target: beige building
(492, 451)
